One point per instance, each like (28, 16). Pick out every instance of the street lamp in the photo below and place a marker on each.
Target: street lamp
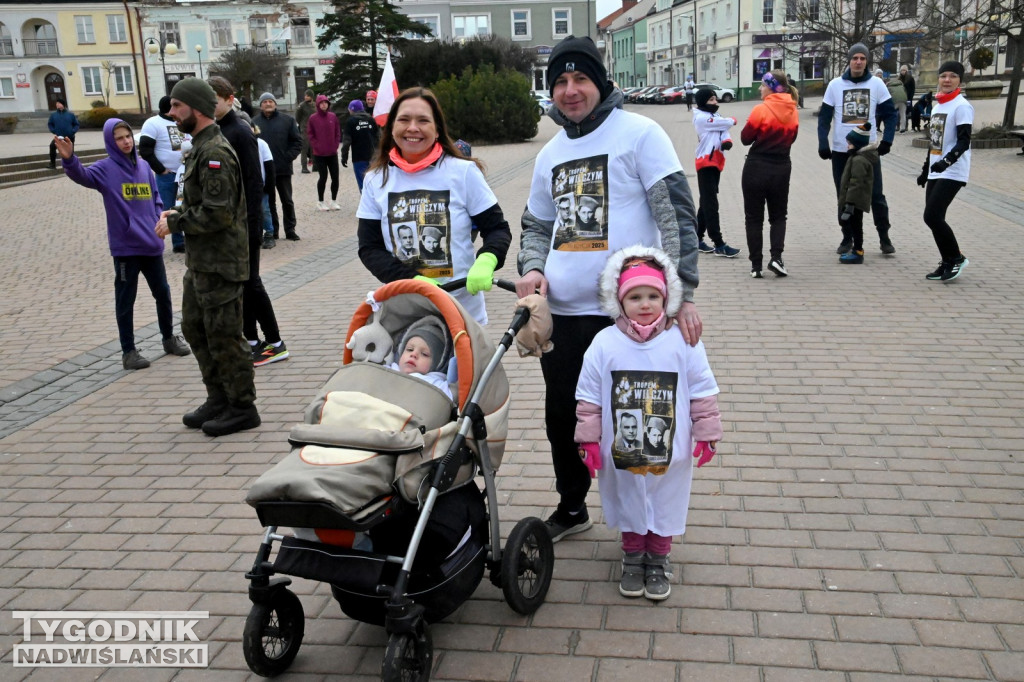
(153, 46)
(199, 53)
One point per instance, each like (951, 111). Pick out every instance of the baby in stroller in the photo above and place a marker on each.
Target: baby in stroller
(423, 351)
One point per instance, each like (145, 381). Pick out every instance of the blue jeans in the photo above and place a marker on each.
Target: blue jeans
(360, 169)
(168, 190)
(268, 224)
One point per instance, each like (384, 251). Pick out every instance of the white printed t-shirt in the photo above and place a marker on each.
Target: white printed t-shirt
(168, 140)
(436, 203)
(594, 188)
(854, 104)
(646, 489)
(942, 137)
(265, 155)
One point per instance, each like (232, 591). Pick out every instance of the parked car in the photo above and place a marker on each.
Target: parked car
(543, 101)
(723, 94)
(648, 97)
(674, 95)
(635, 97)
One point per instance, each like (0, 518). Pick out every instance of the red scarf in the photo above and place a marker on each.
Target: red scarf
(945, 98)
(433, 155)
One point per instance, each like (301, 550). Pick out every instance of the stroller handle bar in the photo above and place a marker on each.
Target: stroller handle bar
(457, 284)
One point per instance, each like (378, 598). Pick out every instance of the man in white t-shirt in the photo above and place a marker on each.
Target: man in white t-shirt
(852, 99)
(160, 146)
(626, 164)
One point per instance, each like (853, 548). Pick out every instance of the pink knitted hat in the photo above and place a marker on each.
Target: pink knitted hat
(640, 273)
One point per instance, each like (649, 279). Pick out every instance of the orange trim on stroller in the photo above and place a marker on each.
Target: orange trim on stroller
(452, 319)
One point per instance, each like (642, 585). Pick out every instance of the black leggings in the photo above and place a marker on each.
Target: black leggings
(323, 165)
(938, 195)
(765, 181)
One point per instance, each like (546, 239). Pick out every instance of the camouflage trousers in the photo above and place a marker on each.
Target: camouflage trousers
(211, 321)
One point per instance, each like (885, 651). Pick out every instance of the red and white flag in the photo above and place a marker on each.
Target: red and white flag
(387, 93)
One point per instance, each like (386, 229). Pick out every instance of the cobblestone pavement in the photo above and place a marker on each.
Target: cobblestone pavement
(863, 521)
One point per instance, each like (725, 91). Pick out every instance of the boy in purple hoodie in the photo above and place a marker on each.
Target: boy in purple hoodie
(133, 206)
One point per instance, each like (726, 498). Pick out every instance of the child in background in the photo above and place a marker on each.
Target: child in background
(855, 190)
(269, 174)
(424, 352)
(639, 367)
(712, 140)
(133, 206)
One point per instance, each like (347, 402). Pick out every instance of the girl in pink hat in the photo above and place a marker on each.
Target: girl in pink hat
(644, 396)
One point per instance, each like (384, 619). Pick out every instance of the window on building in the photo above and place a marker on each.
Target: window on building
(115, 28)
(561, 21)
(814, 10)
(471, 25)
(220, 33)
(791, 15)
(92, 81)
(521, 29)
(908, 8)
(431, 21)
(661, 35)
(728, 11)
(123, 80)
(6, 87)
(170, 32)
(257, 30)
(302, 34)
(701, 24)
(83, 27)
(714, 16)
(768, 12)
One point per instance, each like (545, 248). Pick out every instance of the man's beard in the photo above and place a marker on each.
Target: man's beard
(187, 125)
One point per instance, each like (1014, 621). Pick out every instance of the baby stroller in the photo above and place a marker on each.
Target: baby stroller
(384, 470)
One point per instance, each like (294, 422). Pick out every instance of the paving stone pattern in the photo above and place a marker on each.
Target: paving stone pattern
(863, 520)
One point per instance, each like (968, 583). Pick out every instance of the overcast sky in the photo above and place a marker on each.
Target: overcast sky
(606, 7)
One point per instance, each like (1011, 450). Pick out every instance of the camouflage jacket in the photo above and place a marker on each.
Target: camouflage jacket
(212, 211)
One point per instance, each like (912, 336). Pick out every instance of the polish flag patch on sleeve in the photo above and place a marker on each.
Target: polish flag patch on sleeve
(215, 165)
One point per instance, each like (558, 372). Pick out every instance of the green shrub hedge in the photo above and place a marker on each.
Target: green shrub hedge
(484, 106)
(96, 117)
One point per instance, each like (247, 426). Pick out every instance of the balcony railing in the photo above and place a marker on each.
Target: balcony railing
(6, 47)
(35, 48)
(268, 46)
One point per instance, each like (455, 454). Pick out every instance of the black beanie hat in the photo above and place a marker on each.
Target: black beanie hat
(196, 93)
(954, 66)
(578, 54)
(702, 96)
(165, 104)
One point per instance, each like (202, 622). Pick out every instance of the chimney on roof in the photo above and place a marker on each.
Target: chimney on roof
(629, 4)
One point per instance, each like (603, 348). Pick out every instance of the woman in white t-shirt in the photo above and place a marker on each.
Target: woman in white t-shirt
(947, 167)
(420, 181)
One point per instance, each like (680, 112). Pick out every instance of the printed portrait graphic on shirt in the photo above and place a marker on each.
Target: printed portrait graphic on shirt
(580, 189)
(426, 212)
(644, 405)
(936, 133)
(856, 106)
(175, 137)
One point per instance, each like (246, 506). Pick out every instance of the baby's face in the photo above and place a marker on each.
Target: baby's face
(416, 357)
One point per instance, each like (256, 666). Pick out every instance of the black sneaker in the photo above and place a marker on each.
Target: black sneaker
(232, 420)
(778, 267)
(938, 273)
(756, 274)
(292, 236)
(955, 268)
(265, 353)
(268, 241)
(887, 248)
(704, 247)
(204, 413)
(562, 523)
(175, 345)
(844, 246)
(726, 250)
(133, 360)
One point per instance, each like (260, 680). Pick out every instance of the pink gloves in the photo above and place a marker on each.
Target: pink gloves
(704, 452)
(591, 455)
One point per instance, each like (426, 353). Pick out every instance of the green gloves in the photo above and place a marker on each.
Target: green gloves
(427, 279)
(481, 276)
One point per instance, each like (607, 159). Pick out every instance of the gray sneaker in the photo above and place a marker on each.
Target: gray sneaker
(132, 360)
(175, 345)
(632, 582)
(657, 573)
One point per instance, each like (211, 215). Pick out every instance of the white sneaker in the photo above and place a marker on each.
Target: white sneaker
(322, 206)
(335, 206)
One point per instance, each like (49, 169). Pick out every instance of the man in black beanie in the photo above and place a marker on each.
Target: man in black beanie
(626, 164)
(852, 99)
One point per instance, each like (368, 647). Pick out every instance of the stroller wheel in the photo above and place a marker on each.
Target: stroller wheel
(408, 657)
(273, 634)
(527, 565)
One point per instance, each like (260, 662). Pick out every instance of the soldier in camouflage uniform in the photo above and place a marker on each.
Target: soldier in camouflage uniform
(212, 214)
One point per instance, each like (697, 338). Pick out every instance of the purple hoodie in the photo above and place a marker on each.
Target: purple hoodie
(129, 194)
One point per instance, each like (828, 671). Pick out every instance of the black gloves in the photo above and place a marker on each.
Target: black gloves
(922, 179)
(344, 163)
(825, 153)
(726, 145)
(939, 166)
(884, 147)
(847, 212)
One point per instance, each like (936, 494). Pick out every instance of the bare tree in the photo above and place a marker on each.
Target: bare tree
(251, 69)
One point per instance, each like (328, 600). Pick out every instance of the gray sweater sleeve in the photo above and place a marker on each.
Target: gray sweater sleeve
(534, 243)
(672, 207)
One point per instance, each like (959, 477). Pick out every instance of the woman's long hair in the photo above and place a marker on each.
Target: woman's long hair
(783, 79)
(387, 140)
